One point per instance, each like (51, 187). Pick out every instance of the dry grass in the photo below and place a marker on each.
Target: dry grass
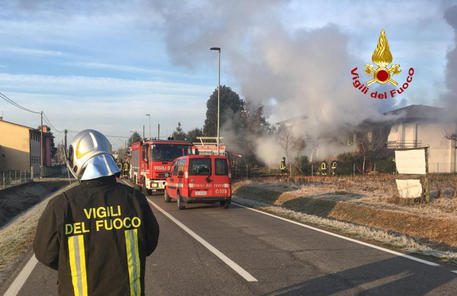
(16, 238)
(15, 200)
(375, 190)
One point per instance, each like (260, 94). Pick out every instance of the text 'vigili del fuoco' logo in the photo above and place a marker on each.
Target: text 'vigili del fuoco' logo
(382, 73)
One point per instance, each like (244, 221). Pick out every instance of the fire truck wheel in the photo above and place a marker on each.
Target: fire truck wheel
(165, 196)
(225, 204)
(180, 202)
(146, 191)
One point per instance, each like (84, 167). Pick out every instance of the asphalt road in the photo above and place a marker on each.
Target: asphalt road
(270, 256)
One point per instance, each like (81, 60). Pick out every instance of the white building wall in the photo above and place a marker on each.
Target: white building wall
(441, 152)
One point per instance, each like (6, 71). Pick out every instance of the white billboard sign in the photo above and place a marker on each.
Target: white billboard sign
(409, 188)
(410, 161)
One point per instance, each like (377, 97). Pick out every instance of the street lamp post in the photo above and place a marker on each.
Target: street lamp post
(130, 140)
(218, 49)
(41, 146)
(149, 119)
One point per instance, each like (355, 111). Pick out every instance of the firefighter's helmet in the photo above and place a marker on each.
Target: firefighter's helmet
(89, 156)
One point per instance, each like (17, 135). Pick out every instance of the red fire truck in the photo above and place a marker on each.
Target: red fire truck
(151, 159)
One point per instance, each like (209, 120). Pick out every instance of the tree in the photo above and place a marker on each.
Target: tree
(230, 107)
(59, 156)
(121, 153)
(135, 137)
(193, 134)
(179, 134)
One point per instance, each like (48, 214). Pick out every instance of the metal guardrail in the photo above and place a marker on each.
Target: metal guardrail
(404, 144)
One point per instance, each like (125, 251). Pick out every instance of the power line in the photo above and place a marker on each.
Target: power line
(120, 137)
(50, 123)
(7, 99)
(46, 118)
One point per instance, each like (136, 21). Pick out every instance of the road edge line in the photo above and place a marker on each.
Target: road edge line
(22, 277)
(232, 264)
(426, 262)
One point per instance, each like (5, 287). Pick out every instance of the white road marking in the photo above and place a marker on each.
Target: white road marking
(19, 281)
(238, 269)
(342, 237)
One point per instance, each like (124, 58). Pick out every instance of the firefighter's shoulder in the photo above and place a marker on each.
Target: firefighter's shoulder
(63, 196)
(134, 191)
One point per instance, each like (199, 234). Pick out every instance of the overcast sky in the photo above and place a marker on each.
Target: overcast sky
(105, 64)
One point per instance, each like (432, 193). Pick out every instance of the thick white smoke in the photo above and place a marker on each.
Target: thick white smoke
(305, 72)
(450, 98)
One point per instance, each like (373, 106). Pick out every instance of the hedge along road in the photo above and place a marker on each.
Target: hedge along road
(207, 250)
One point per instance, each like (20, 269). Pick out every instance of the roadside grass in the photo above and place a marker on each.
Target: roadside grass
(15, 200)
(377, 190)
(16, 238)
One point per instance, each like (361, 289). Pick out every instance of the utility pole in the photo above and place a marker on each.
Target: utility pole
(66, 132)
(149, 120)
(143, 132)
(41, 145)
(158, 131)
(218, 49)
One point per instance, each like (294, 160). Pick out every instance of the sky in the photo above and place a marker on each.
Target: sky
(106, 64)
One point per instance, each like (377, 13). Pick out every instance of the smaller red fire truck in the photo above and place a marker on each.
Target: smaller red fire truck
(151, 159)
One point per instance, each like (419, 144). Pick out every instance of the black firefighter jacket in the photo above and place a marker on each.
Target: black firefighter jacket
(97, 235)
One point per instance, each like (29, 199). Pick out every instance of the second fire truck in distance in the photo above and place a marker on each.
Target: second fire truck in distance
(151, 159)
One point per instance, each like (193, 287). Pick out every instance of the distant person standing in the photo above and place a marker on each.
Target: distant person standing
(283, 166)
(97, 234)
(126, 168)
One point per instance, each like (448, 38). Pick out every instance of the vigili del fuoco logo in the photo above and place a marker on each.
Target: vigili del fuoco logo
(382, 73)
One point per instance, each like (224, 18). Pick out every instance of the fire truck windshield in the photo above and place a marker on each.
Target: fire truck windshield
(168, 152)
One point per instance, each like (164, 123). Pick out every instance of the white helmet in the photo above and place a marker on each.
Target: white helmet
(89, 156)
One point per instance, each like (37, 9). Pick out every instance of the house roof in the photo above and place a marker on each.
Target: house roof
(418, 112)
(31, 129)
(16, 124)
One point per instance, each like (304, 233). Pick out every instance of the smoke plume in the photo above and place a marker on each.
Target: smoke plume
(294, 73)
(450, 98)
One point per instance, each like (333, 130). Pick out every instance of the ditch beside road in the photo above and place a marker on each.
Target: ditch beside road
(20, 209)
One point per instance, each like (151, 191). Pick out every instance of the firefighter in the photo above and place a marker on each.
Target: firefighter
(323, 168)
(98, 233)
(283, 166)
(333, 168)
(126, 168)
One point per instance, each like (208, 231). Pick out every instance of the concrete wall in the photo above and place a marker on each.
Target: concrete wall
(15, 147)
